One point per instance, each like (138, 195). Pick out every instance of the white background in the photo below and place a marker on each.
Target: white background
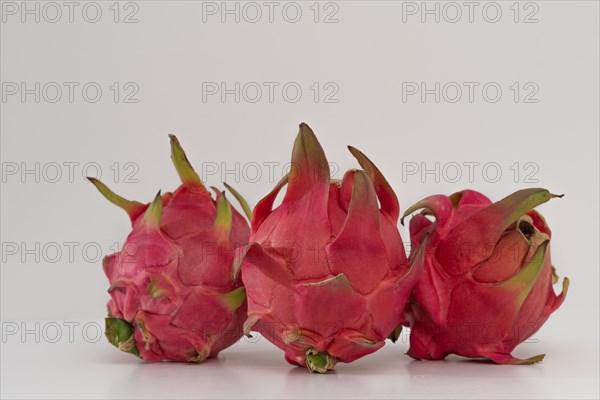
(373, 52)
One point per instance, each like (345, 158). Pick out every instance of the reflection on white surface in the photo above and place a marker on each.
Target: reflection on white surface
(258, 370)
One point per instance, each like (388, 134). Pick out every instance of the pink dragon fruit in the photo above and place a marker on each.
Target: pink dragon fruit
(487, 276)
(172, 295)
(326, 274)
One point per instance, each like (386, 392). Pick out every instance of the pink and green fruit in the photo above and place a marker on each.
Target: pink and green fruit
(172, 294)
(326, 274)
(487, 275)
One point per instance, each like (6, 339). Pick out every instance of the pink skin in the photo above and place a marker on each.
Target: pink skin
(171, 279)
(326, 270)
(487, 278)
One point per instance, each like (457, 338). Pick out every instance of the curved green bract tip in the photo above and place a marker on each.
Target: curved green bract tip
(235, 298)
(309, 170)
(565, 285)
(153, 214)
(241, 200)
(438, 205)
(395, 335)
(238, 260)
(319, 362)
(120, 334)
(531, 360)
(455, 198)
(224, 217)
(412, 209)
(250, 322)
(132, 208)
(554, 276)
(507, 359)
(186, 172)
(522, 201)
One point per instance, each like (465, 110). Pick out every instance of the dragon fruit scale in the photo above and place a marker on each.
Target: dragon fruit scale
(326, 274)
(172, 294)
(487, 277)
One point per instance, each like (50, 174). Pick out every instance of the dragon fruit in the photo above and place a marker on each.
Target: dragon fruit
(172, 295)
(487, 276)
(326, 274)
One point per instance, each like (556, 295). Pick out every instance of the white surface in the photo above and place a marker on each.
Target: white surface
(258, 370)
(369, 53)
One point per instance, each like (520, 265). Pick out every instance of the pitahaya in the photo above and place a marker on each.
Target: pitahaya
(172, 294)
(487, 276)
(326, 274)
